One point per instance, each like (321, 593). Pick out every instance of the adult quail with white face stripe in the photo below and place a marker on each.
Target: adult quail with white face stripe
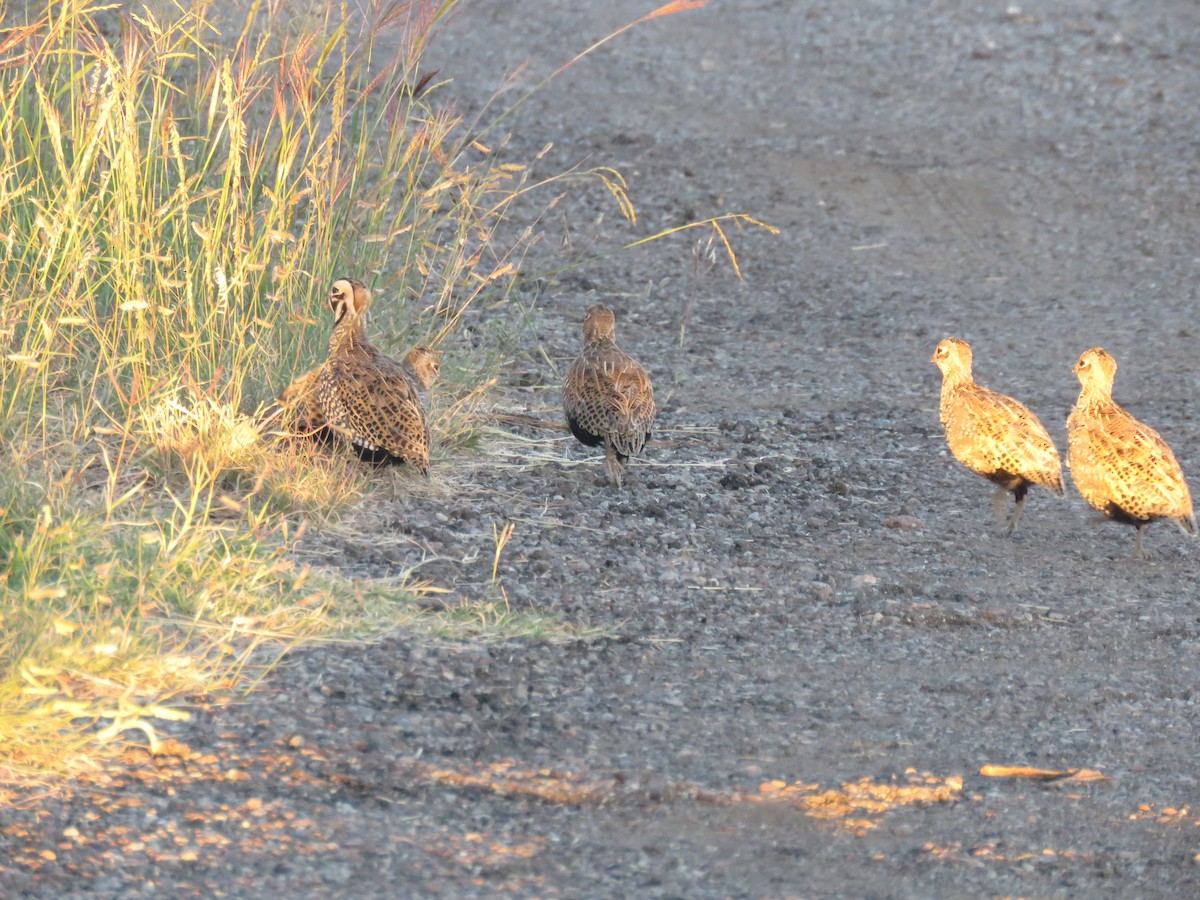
(368, 398)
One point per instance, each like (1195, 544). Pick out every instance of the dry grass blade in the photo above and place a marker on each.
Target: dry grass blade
(675, 6)
(527, 421)
(716, 224)
(1032, 774)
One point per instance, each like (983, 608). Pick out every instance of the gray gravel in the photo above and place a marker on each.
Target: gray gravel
(800, 585)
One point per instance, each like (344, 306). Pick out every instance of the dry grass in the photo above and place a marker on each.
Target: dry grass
(173, 208)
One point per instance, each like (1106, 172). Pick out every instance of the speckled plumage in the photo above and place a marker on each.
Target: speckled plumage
(607, 397)
(992, 434)
(1120, 466)
(368, 398)
(300, 411)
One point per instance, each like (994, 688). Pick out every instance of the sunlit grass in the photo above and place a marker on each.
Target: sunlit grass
(173, 205)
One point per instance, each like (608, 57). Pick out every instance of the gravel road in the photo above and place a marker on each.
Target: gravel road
(817, 636)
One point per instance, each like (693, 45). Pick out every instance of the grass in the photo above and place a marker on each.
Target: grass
(176, 195)
(173, 205)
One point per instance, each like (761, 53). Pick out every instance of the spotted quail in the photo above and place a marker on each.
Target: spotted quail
(607, 397)
(368, 398)
(994, 435)
(1120, 466)
(423, 365)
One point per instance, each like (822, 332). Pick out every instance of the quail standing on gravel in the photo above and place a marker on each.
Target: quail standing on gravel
(365, 396)
(607, 397)
(994, 435)
(1120, 466)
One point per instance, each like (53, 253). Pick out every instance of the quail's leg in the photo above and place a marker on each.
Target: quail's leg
(1021, 494)
(612, 465)
(1000, 507)
(1138, 552)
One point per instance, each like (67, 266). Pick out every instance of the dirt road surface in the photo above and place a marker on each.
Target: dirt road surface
(818, 639)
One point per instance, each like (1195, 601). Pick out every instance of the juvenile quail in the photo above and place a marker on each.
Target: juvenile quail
(423, 365)
(994, 435)
(368, 398)
(1120, 466)
(607, 397)
(300, 411)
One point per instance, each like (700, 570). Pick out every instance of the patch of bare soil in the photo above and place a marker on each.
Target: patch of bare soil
(817, 637)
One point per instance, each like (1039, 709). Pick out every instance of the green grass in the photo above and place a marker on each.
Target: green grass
(176, 197)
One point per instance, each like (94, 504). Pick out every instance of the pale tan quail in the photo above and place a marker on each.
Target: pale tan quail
(1120, 466)
(423, 365)
(607, 397)
(994, 435)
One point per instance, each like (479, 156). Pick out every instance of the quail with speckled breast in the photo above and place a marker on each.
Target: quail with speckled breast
(994, 435)
(372, 400)
(1119, 465)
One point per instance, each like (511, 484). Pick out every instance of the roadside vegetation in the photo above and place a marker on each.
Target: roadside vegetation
(175, 199)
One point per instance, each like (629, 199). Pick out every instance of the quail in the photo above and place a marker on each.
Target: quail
(607, 397)
(299, 412)
(368, 398)
(423, 365)
(1120, 466)
(994, 435)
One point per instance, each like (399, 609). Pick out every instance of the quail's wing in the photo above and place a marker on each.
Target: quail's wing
(590, 396)
(633, 394)
(578, 386)
(628, 398)
(1139, 465)
(989, 431)
(378, 407)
